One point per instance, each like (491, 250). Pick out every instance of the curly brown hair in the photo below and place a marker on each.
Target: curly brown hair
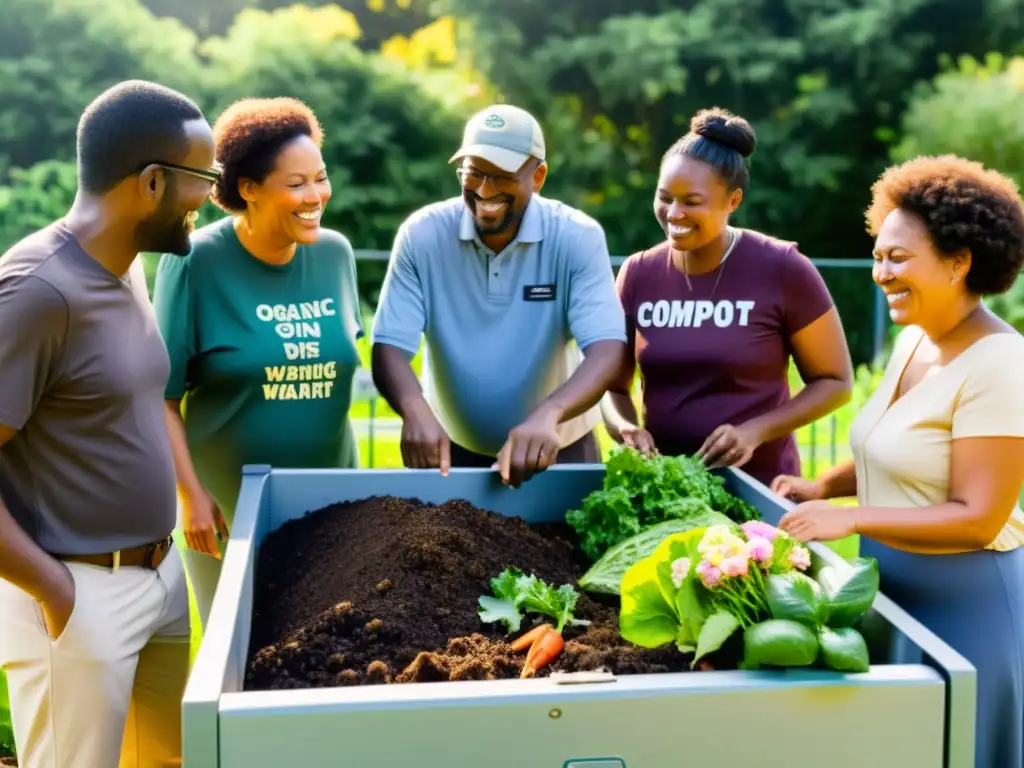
(963, 206)
(249, 136)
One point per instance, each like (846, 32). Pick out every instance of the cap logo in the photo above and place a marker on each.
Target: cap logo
(494, 121)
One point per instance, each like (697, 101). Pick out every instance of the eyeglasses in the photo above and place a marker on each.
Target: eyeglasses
(473, 179)
(211, 175)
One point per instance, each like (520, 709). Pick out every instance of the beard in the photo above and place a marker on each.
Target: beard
(490, 226)
(167, 230)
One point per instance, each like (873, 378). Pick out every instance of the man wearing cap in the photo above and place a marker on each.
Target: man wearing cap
(501, 281)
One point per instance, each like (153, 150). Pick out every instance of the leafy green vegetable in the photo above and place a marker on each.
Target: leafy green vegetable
(797, 597)
(716, 630)
(504, 606)
(492, 610)
(779, 643)
(850, 591)
(606, 574)
(540, 597)
(843, 649)
(654, 611)
(514, 592)
(639, 492)
(646, 618)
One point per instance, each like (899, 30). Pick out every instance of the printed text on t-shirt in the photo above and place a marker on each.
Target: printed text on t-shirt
(299, 325)
(693, 313)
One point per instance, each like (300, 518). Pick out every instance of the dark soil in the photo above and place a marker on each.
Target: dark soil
(385, 591)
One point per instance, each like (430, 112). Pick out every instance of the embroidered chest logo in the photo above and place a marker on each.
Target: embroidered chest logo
(694, 314)
(539, 292)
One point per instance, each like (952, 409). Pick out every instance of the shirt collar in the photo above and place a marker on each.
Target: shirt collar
(531, 230)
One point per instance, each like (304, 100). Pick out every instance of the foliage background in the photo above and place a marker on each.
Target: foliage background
(836, 89)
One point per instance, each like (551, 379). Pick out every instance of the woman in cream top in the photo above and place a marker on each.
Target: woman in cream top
(938, 449)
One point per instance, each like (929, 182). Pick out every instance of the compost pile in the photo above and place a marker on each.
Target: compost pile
(385, 590)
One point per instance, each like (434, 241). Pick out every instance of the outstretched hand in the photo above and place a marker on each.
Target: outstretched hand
(424, 443)
(530, 448)
(728, 446)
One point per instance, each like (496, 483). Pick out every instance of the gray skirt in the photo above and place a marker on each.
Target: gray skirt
(975, 603)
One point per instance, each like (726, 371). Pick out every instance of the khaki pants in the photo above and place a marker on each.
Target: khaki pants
(107, 693)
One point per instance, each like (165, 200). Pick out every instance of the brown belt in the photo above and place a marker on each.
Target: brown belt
(143, 556)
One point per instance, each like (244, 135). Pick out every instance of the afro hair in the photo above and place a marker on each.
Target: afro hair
(963, 206)
(250, 135)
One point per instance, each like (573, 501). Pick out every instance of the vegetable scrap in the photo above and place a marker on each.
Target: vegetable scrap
(514, 592)
(640, 492)
(699, 587)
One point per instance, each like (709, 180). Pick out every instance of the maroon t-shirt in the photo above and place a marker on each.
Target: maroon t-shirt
(714, 356)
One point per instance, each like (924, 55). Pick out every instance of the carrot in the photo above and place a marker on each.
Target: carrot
(523, 642)
(544, 650)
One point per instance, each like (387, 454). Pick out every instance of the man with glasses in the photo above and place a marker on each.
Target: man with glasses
(95, 630)
(501, 281)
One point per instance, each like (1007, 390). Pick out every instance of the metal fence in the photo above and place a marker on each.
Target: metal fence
(822, 443)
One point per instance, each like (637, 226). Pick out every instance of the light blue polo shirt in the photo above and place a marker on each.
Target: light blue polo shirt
(500, 329)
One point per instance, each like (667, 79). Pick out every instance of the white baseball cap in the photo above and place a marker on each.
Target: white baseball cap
(503, 135)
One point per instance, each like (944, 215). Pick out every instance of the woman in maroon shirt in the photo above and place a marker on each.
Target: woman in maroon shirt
(715, 312)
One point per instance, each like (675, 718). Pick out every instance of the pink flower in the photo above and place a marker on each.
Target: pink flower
(680, 570)
(734, 566)
(759, 529)
(760, 549)
(800, 558)
(709, 574)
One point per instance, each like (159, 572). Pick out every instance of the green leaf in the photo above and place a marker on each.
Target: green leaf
(690, 610)
(797, 597)
(672, 548)
(779, 643)
(504, 585)
(850, 591)
(645, 617)
(716, 630)
(605, 576)
(844, 650)
(492, 609)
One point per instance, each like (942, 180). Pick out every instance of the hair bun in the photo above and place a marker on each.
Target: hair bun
(723, 127)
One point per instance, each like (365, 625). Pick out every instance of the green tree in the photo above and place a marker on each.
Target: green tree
(57, 55)
(389, 129)
(824, 84)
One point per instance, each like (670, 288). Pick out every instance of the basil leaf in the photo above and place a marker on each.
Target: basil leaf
(716, 630)
(844, 650)
(797, 597)
(779, 643)
(849, 591)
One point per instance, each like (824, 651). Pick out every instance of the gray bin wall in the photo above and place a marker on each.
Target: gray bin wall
(912, 715)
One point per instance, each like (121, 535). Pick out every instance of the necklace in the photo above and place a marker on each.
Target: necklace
(733, 237)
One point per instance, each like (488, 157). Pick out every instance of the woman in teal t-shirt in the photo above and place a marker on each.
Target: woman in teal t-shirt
(261, 321)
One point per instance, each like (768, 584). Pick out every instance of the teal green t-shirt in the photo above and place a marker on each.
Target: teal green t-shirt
(262, 356)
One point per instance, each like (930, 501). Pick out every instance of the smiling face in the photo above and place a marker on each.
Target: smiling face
(920, 284)
(180, 195)
(692, 203)
(496, 198)
(290, 201)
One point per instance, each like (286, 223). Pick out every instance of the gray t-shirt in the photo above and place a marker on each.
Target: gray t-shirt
(503, 331)
(82, 376)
